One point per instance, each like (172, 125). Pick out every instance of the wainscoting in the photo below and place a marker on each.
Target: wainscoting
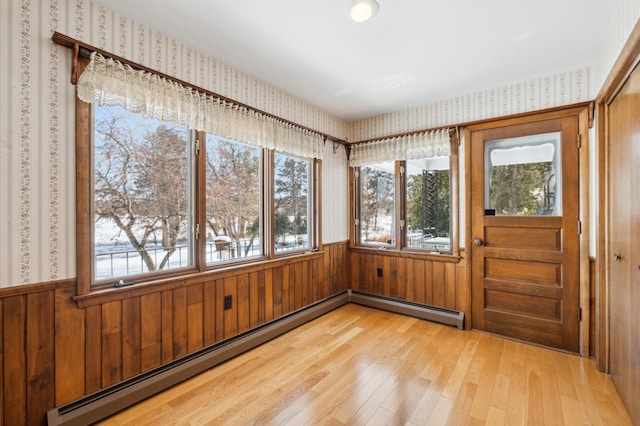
(55, 349)
(428, 280)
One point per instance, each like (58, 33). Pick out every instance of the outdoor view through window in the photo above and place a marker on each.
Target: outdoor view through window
(142, 194)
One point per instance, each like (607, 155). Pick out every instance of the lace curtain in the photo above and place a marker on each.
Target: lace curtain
(435, 143)
(109, 82)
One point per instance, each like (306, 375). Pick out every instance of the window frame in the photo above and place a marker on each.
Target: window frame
(85, 263)
(400, 209)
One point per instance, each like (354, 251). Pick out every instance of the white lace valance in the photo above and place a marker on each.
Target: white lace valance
(109, 82)
(435, 143)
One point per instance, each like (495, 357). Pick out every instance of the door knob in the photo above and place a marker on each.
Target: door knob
(617, 257)
(478, 242)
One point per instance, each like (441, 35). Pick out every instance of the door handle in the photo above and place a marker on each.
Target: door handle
(617, 257)
(478, 242)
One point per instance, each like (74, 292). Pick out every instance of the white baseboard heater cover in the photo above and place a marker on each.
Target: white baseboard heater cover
(430, 313)
(105, 402)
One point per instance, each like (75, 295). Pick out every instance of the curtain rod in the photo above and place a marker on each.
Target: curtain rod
(76, 45)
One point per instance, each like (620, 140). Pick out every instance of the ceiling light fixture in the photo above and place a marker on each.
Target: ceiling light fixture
(362, 10)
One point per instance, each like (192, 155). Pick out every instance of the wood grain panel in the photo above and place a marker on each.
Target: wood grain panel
(93, 348)
(131, 340)
(111, 343)
(150, 331)
(195, 329)
(525, 237)
(54, 350)
(534, 306)
(531, 272)
(69, 347)
(14, 358)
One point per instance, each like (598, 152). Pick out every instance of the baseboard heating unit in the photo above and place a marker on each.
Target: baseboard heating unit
(430, 313)
(101, 404)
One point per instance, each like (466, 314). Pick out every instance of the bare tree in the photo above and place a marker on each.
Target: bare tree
(141, 183)
(233, 190)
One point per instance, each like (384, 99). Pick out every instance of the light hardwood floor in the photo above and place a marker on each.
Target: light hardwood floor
(360, 366)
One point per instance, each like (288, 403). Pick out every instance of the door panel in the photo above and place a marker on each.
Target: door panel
(624, 245)
(525, 251)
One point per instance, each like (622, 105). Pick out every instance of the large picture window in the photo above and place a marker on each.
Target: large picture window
(142, 197)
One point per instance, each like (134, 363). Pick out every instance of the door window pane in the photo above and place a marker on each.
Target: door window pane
(377, 204)
(233, 200)
(523, 176)
(292, 203)
(428, 200)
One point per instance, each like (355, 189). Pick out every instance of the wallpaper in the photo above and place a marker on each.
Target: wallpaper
(37, 122)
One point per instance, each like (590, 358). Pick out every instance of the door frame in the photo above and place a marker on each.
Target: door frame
(584, 112)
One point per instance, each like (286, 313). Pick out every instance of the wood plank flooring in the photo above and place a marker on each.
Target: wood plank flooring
(361, 366)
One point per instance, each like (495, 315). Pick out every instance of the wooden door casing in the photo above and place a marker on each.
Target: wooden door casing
(525, 275)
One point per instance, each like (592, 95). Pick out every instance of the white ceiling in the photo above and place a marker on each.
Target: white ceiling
(411, 53)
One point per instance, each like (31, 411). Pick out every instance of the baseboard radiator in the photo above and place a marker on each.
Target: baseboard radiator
(100, 405)
(430, 313)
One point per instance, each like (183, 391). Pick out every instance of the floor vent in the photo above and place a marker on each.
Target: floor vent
(430, 313)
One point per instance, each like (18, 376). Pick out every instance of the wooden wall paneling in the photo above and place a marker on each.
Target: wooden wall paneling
(69, 341)
(297, 286)
(93, 349)
(219, 285)
(409, 280)
(450, 285)
(243, 305)
(269, 296)
(14, 386)
(150, 331)
(420, 281)
(209, 307)
(276, 292)
(387, 274)
(131, 337)
(285, 286)
(231, 315)
(254, 299)
(40, 354)
(111, 343)
(195, 314)
(262, 317)
(326, 280)
(354, 274)
(180, 322)
(438, 283)
(167, 326)
(307, 283)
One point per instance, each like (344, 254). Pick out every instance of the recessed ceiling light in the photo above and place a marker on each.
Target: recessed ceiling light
(362, 10)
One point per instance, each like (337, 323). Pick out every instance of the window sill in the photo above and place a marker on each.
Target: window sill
(407, 253)
(108, 294)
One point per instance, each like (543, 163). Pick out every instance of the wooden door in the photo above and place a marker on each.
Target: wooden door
(524, 241)
(624, 242)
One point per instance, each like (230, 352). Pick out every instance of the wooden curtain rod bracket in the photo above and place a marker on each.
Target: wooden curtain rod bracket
(74, 63)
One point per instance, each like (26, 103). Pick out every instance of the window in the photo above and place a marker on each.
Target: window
(234, 182)
(428, 199)
(377, 204)
(142, 197)
(292, 203)
(146, 192)
(407, 204)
